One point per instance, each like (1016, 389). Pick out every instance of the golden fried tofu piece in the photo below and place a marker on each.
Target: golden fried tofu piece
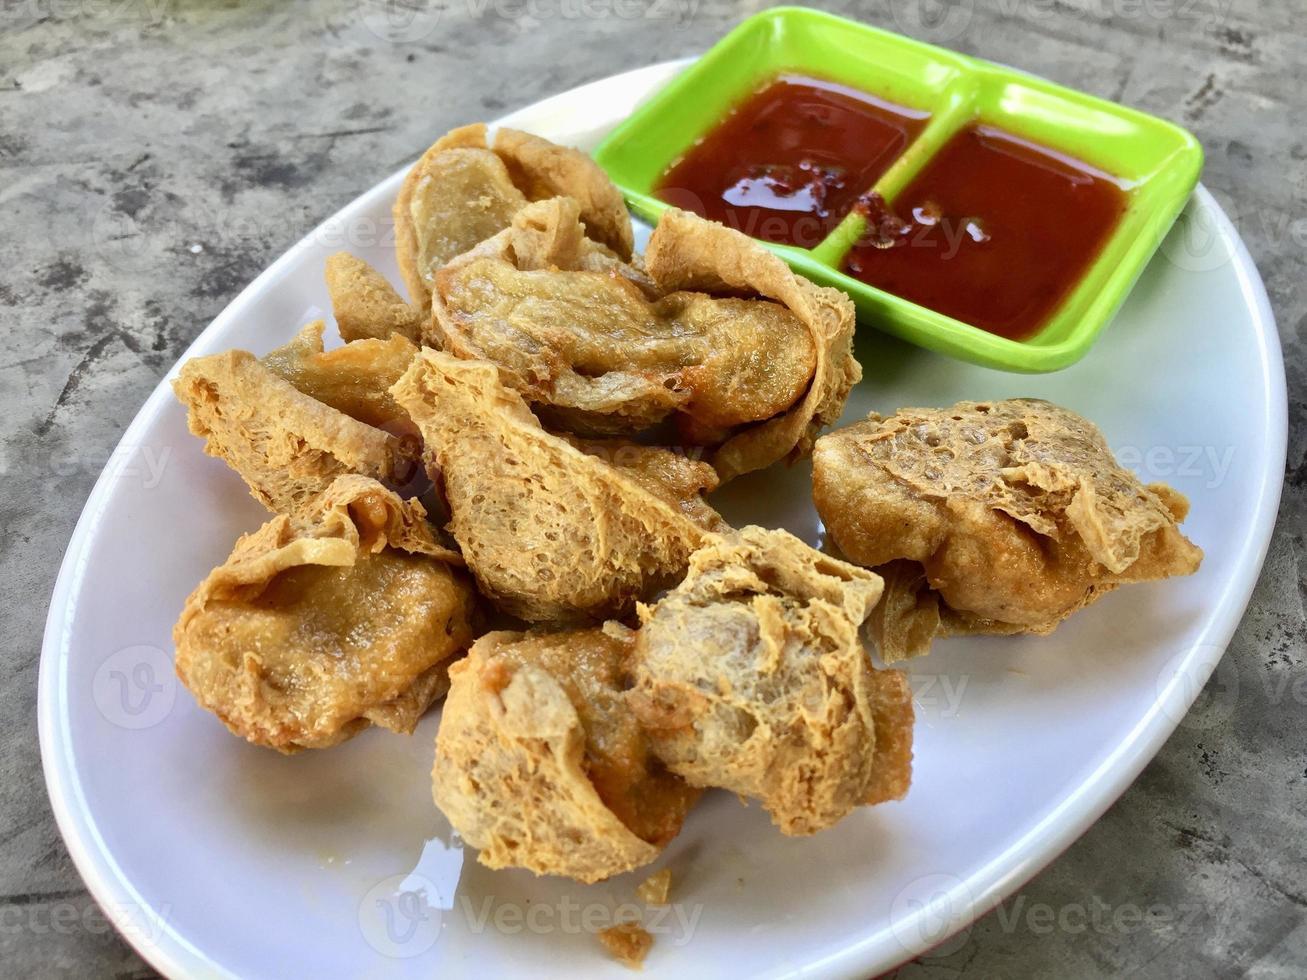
(539, 763)
(354, 379)
(462, 191)
(365, 304)
(597, 350)
(320, 624)
(552, 533)
(751, 676)
(286, 445)
(991, 517)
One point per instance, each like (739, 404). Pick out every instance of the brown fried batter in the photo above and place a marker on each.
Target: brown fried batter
(598, 350)
(540, 765)
(462, 192)
(751, 676)
(323, 623)
(688, 253)
(366, 305)
(354, 379)
(285, 444)
(998, 517)
(552, 534)
(579, 336)
(674, 477)
(544, 170)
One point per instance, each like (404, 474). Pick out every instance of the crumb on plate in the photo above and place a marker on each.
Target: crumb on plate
(655, 889)
(628, 942)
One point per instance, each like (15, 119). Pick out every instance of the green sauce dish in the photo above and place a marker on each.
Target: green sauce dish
(1154, 163)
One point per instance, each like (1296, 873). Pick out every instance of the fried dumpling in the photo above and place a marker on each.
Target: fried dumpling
(540, 764)
(463, 191)
(997, 517)
(598, 350)
(286, 445)
(366, 305)
(552, 533)
(688, 253)
(320, 624)
(751, 676)
(569, 325)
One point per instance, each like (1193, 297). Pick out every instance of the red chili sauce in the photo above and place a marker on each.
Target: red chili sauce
(790, 161)
(994, 231)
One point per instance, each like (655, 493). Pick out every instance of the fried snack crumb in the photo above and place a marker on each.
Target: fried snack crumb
(628, 942)
(655, 889)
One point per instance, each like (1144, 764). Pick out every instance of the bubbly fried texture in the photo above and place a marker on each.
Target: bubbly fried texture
(579, 335)
(998, 517)
(285, 444)
(540, 765)
(688, 253)
(672, 476)
(354, 379)
(750, 675)
(552, 533)
(320, 624)
(462, 192)
(365, 304)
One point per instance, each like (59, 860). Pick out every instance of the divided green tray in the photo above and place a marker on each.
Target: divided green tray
(1157, 161)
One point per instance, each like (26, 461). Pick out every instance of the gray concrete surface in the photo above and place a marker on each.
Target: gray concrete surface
(132, 128)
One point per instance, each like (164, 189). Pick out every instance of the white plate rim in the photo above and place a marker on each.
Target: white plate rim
(975, 895)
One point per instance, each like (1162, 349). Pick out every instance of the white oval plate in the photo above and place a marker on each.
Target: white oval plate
(216, 858)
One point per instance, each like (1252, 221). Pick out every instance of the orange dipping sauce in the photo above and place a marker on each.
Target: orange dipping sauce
(995, 231)
(790, 161)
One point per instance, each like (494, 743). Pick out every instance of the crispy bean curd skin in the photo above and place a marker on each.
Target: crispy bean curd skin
(540, 764)
(464, 190)
(719, 334)
(751, 676)
(354, 379)
(320, 624)
(366, 305)
(687, 253)
(991, 517)
(551, 532)
(286, 445)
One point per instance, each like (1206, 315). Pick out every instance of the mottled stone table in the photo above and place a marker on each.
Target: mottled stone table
(157, 154)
